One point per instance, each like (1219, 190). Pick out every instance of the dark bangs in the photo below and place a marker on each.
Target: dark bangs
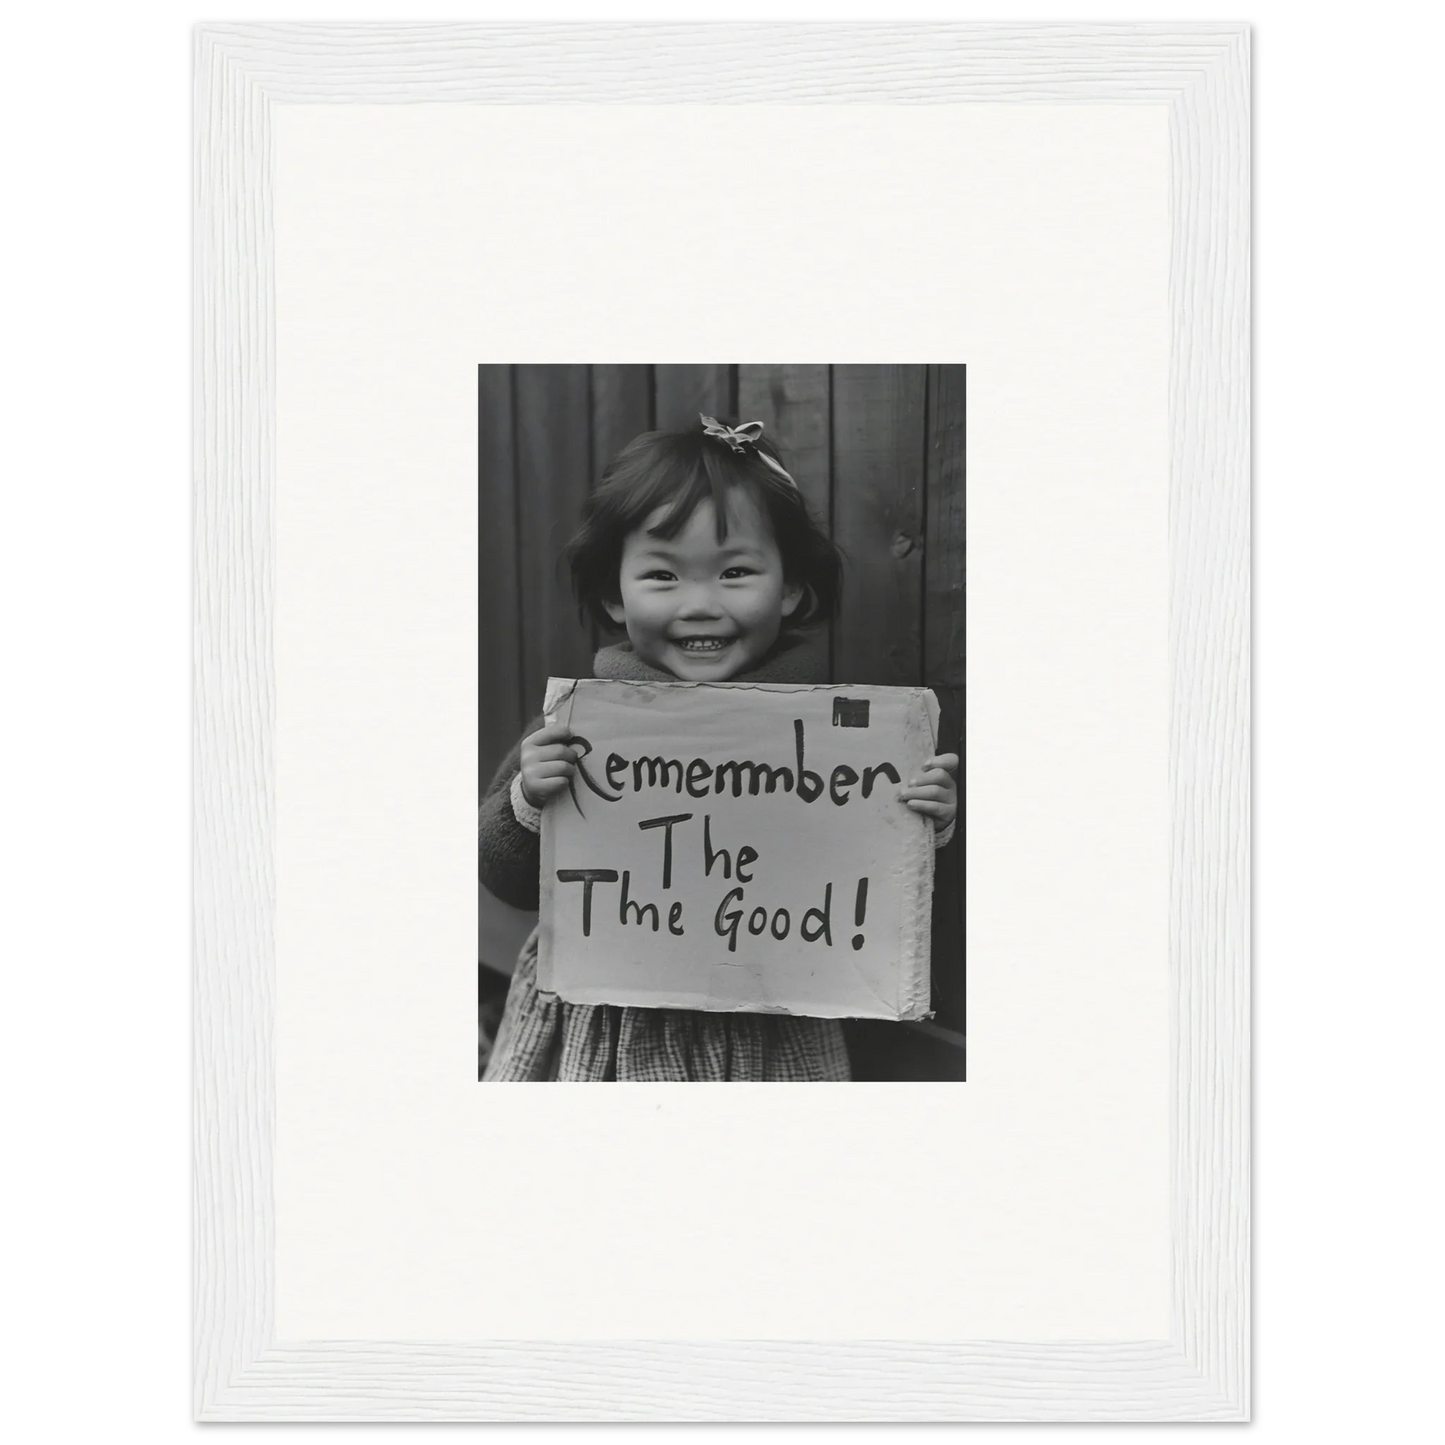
(678, 471)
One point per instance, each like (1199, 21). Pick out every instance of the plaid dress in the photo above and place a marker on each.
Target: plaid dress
(542, 1037)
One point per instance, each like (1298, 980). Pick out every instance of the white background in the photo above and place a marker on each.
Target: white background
(410, 1203)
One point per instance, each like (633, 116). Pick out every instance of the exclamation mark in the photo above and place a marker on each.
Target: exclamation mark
(860, 910)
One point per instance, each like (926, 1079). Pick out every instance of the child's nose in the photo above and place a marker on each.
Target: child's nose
(699, 601)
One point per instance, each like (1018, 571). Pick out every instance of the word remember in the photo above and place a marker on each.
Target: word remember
(700, 778)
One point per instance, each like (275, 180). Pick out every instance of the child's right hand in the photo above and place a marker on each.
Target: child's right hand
(548, 764)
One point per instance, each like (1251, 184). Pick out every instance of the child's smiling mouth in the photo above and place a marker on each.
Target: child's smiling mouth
(698, 645)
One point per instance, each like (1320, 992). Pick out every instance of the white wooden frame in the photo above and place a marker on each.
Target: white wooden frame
(1202, 1371)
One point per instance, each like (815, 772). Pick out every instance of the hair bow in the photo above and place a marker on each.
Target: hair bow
(744, 435)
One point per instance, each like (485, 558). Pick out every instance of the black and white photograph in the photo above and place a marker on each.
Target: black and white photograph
(721, 632)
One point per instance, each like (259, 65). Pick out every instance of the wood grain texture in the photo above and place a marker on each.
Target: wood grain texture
(878, 447)
(944, 552)
(950, 995)
(233, 769)
(554, 472)
(621, 410)
(720, 1380)
(682, 392)
(1209, 652)
(944, 633)
(1201, 73)
(525, 64)
(498, 621)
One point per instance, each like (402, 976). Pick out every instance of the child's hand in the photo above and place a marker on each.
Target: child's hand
(548, 764)
(934, 791)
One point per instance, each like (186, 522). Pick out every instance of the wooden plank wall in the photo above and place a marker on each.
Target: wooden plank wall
(878, 451)
(943, 660)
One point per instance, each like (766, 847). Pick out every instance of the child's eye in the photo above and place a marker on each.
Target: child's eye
(658, 574)
(739, 572)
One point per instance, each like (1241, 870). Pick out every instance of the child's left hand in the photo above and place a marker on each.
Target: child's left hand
(934, 790)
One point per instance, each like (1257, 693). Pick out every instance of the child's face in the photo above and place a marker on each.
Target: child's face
(698, 608)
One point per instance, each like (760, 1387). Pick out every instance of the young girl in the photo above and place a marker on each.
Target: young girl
(699, 545)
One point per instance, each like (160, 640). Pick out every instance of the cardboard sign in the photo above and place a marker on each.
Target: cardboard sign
(740, 847)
